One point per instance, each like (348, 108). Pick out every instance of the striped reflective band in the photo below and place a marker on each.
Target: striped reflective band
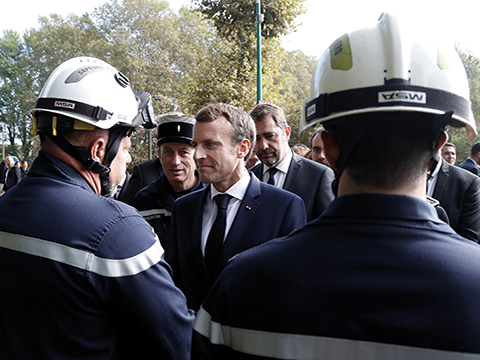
(83, 259)
(146, 213)
(307, 347)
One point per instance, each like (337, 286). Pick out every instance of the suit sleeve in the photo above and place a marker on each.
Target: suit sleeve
(295, 217)
(469, 220)
(134, 186)
(325, 193)
(171, 251)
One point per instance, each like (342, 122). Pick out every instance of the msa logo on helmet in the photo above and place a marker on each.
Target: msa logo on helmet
(402, 96)
(64, 104)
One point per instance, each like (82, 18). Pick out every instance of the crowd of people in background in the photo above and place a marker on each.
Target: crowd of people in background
(11, 172)
(232, 244)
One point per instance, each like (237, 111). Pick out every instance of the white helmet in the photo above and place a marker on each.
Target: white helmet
(85, 93)
(92, 91)
(384, 69)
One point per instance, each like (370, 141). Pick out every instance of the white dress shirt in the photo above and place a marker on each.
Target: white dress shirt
(432, 179)
(237, 192)
(282, 168)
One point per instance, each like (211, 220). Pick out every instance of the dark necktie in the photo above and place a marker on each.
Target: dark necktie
(214, 245)
(271, 179)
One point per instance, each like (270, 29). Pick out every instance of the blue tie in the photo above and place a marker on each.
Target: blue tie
(214, 245)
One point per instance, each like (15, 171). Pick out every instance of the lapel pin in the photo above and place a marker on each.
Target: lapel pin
(248, 207)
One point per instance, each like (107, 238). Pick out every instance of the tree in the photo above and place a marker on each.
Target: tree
(287, 83)
(236, 24)
(180, 57)
(457, 135)
(16, 92)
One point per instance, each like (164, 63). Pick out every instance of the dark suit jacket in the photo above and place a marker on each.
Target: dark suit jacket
(124, 189)
(13, 178)
(470, 165)
(143, 174)
(309, 180)
(265, 213)
(459, 194)
(3, 170)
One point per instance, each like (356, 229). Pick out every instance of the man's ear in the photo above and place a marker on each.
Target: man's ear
(98, 148)
(243, 148)
(330, 148)
(288, 130)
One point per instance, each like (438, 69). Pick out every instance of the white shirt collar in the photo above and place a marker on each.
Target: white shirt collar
(283, 165)
(236, 191)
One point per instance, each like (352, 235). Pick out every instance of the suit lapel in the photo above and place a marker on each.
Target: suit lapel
(197, 212)
(245, 214)
(441, 180)
(257, 171)
(293, 171)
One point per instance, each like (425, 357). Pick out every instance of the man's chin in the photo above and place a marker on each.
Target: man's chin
(269, 161)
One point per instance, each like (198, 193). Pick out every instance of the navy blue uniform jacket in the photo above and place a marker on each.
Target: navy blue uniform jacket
(266, 212)
(375, 277)
(155, 204)
(82, 275)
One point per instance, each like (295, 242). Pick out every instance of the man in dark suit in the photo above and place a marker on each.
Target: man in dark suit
(13, 174)
(309, 180)
(458, 192)
(24, 168)
(471, 163)
(3, 171)
(224, 137)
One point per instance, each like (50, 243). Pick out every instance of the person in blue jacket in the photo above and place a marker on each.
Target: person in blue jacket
(85, 278)
(471, 163)
(175, 151)
(378, 275)
(205, 233)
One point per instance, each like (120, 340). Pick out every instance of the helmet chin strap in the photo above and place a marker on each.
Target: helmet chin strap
(82, 154)
(117, 133)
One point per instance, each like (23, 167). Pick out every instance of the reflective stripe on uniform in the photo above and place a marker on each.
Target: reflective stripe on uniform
(146, 213)
(83, 259)
(308, 347)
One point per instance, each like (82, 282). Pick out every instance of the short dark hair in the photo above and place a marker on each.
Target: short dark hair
(263, 109)
(395, 150)
(317, 131)
(244, 127)
(475, 149)
(449, 144)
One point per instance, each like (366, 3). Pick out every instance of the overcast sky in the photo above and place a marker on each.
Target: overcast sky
(323, 23)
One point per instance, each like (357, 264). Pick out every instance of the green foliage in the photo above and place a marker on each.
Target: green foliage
(16, 92)
(236, 20)
(236, 24)
(199, 56)
(458, 135)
